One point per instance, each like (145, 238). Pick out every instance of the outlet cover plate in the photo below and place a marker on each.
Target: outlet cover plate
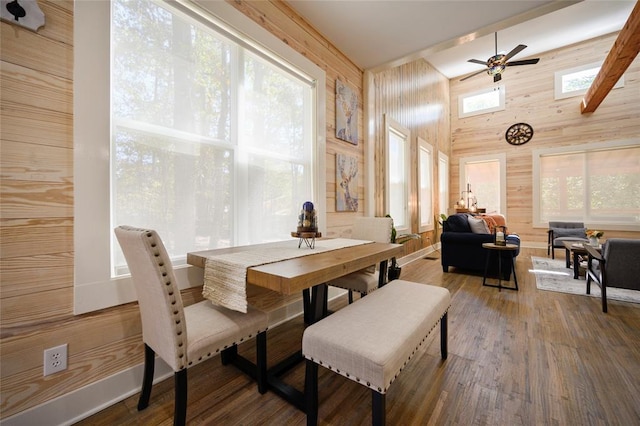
(55, 359)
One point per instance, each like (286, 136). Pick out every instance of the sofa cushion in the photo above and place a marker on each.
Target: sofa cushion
(478, 226)
(458, 223)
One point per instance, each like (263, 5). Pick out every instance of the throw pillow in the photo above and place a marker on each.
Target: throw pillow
(458, 223)
(478, 226)
(490, 222)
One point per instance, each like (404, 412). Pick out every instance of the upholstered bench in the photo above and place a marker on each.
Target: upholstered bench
(372, 340)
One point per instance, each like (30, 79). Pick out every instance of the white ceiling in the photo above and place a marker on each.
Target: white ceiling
(375, 34)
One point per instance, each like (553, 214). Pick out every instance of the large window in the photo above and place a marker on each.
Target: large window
(486, 176)
(214, 139)
(598, 184)
(398, 140)
(211, 142)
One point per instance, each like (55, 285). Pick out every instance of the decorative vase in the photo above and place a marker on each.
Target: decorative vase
(593, 241)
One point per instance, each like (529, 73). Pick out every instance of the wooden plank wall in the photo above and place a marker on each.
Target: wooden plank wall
(530, 99)
(36, 248)
(416, 96)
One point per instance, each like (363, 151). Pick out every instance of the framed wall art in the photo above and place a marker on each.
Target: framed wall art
(346, 113)
(346, 183)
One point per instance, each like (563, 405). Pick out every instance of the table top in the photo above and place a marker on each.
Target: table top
(570, 245)
(494, 246)
(293, 275)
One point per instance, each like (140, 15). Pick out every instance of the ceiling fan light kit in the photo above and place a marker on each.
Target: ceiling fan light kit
(498, 63)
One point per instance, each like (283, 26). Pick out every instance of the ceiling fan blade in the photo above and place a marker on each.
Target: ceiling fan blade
(497, 77)
(519, 48)
(477, 61)
(523, 62)
(473, 75)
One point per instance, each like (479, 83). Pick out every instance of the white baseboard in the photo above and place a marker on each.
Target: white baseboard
(82, 403)
(74, 406)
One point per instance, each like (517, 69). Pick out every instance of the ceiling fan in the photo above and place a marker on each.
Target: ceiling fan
(498, 63)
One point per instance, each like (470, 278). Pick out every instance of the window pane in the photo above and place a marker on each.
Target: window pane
(426, 206)
(397, 192)
(484, 178)
(443, 183)
(482, 101)
(591, 185)
(579, 80)
(212, 145)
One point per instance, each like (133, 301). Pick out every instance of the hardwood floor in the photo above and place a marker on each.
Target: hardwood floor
(515, 358)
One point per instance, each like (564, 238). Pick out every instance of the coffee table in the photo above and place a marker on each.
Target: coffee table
(574, 250)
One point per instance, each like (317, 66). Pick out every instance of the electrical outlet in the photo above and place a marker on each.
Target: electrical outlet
(55, 359)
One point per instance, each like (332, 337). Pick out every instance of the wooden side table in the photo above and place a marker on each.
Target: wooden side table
(500, 249)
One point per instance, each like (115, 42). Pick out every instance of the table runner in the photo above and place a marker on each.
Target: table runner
(225, 275)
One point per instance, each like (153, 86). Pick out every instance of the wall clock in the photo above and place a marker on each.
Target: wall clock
(519, 133)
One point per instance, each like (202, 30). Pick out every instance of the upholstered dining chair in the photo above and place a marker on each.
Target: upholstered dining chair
(560, 232)
(376, 229)
(184, 336)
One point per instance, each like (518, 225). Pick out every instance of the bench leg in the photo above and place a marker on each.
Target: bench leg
(378, 408)
(311, 392)
(444, 336)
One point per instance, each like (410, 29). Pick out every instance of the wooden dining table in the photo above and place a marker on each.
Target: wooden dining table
(309, 275)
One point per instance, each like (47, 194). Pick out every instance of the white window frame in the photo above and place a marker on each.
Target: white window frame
(403, 222)
(94, 288)
(559, 93)
(501, 158)
(500, 107)
(443, 183)
(538, 153)
(425, 178)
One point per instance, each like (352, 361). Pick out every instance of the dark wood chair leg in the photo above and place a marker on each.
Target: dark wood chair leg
(311, 392)
(229, 355)
(180, 404)
(147, 378)
(350, 296)
(378, 408)
(261, 361)
(444, 336)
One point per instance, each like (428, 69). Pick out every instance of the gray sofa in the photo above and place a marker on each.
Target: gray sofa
(617, 265)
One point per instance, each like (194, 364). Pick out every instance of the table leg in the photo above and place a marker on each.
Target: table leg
(567, 257)
(576, 265)
(499, 271)
(315, 308)
(486, 267)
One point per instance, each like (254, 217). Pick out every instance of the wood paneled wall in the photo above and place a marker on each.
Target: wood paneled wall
(36, 287)
(530, 99)
(416, 96)
(36, 247)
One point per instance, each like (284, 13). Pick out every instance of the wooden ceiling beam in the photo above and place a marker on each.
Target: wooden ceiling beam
(621, 55)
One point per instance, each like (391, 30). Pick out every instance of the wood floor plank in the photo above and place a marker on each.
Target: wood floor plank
(530, 357)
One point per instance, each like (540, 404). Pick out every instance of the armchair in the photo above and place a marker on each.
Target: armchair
(564, 231)
(618, 265)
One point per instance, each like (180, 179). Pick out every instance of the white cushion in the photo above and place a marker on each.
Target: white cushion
(370, 341)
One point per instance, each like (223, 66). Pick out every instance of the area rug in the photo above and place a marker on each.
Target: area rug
(553, 275)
